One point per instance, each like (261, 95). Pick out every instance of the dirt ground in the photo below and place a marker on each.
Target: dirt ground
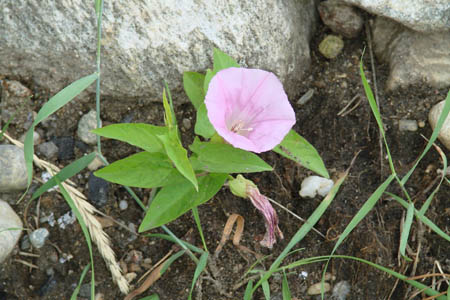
(336, 137)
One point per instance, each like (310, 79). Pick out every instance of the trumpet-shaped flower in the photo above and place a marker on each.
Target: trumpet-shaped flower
(247, 189)
(249, 108)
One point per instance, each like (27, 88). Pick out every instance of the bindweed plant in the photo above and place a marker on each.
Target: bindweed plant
(240, 112)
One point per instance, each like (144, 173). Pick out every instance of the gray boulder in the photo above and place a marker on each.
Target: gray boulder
(10, 230)
(147, 41)
(13, 171)
(419, 15)
(413, 57)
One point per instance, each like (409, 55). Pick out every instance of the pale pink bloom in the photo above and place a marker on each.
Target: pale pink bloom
(249, 108)
(262, 203)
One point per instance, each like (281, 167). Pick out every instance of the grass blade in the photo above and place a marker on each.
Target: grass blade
(77, 289)
(285, 288)
(406, 229)
(266, 289)
(199, 227)
(171, 239)
(422, 218)
(52, 105)
(198, 270)
(66, 173)
(248, 290)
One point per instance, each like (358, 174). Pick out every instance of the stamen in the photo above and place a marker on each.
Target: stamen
(239, 126)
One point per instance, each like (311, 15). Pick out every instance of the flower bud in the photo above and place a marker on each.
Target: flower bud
(238, 186)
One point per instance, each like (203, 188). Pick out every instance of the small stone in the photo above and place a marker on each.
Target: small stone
(66, 146)
(315, 289)
(99, 296)
(87, 123)
(341, 290)
(98, 190)
(48, 149)
(130, 276)
(329, 277)
(340, 18)
(123, 204)
(95, 164)
(25, 243)
(331, 46)
(38, 237)
(66, 219)
(187, 124)
(407, 125)
(13, 174)
(313, 185)
(433, 116)
(36, 138)
(421, 124)
(8, 236)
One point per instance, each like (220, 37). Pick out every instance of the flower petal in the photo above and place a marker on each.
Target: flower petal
(254, 99)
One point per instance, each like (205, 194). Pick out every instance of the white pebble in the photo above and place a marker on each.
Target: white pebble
(313, 185)
(38, 237)
(341, 290)
(315, 288)
(407, 125)
(123, 205)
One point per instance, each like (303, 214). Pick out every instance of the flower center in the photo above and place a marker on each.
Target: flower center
(238, 127)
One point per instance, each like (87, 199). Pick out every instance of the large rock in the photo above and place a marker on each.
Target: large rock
(147, 41)
(13, 170)
(413, 57)
(433, 117)
(420, 15)
(10, 230)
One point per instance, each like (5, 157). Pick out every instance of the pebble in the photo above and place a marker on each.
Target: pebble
(433, 116)
(25, 243)
(331, 46)
(66, 146)
(313, 185)
(340, 18)
(95, 164)
(8, 238)
(187, 124)
(13, 175)
(66, 219)
(407, 125)
(341, 290)
(36, 138)
(123, 204)
(48, 150)
(85, 125)
(97, 191)
(315, 288)
(38, 237)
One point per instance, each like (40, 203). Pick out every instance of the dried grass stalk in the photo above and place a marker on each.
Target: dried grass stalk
(87, 211)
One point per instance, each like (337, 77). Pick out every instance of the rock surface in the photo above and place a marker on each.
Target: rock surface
(340, 18)
(413, 57)
(147, 41)
(433, 116)
(38, 237)
(8, 238)
(420, 15)
(85, 125)
(13, 171)
(15, 102)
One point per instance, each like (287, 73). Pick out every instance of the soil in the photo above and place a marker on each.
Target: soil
(337, 138)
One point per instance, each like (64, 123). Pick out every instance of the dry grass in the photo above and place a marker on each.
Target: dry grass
(87, 211)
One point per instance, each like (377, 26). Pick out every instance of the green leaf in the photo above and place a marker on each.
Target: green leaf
(406, 229)
(193, 86)
(223, 61)
(285, 288)
(144, 170)
(223, 158)
(178, 155)
(198, 270)
(170, 261)
(266, 289)
(174, 200)
(140, 135)
(209, 75)
(203, 126)
(296, 148)
(66, 173)
(169, 117)
(151, 297)
(52, 105)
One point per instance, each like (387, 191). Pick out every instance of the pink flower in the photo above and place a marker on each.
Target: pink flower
(245, 188)
(249, 108)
